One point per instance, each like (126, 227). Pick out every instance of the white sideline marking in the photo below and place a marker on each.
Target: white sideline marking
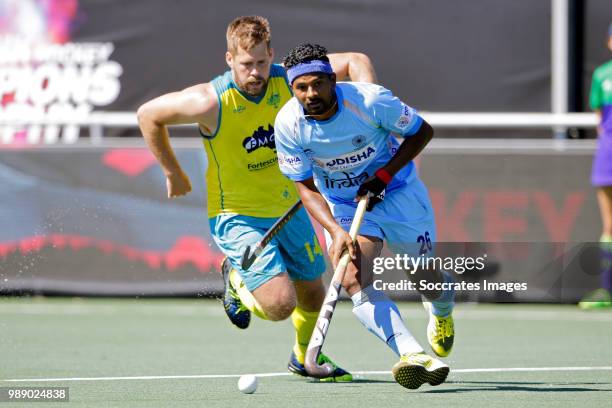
(464, 313)
(286, 374)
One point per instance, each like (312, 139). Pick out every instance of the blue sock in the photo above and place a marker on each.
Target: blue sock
(443, 306)
(381, 317)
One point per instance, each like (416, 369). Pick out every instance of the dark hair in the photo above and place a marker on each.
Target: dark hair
(304, 53)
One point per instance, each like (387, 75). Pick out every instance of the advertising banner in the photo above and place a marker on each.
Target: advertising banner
(97, 221)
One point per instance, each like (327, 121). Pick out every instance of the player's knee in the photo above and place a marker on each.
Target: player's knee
(280, 311)
(280, 305)
(351, 284)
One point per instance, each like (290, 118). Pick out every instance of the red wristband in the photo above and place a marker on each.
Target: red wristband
(383, 175)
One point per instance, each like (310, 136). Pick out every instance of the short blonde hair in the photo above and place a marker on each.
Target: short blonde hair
(246, 32)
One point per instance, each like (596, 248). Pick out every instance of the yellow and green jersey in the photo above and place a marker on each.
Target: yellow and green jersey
(243, 176)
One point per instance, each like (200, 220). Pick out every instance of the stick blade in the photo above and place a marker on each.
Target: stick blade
(247, 258)
(318, 371)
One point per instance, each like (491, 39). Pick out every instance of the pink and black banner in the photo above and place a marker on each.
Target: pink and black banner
(96, 221)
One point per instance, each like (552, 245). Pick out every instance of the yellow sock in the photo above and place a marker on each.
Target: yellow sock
(246, 297)
(304, 323)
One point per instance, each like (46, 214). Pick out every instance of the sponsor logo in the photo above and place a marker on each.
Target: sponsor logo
(274, 100)
(348, 161)
(262, 164)
(359, 141)
(345, 180)
(289, 161)
(405, 118)
(239, 109)
(260, 138)
(346, 220)
(402, 122)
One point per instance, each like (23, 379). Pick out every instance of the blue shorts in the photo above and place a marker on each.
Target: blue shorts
(404, 220)
(295, 249)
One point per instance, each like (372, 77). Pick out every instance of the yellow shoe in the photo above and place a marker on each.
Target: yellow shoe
(416, 369)
(440, 332)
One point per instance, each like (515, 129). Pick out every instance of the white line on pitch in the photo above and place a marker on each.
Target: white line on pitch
(284, 374)
(466, 313)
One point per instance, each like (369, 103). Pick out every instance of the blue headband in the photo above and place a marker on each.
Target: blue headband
(309, 67)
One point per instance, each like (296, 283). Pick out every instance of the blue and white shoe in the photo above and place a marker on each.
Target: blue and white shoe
(237, 313)
(338, 375)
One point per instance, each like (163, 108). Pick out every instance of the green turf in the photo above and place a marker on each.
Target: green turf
(67, 338)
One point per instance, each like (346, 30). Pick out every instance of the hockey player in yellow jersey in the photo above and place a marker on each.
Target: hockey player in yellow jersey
(247, 193)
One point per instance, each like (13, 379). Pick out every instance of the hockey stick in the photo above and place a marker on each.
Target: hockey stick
(329, 304)
(248, 257)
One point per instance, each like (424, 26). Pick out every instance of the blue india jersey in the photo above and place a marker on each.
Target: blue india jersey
(343, 151)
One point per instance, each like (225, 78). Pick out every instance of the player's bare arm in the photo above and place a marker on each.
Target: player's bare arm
(353, 65)
(196, 104)
(408, 150)
(319, 209)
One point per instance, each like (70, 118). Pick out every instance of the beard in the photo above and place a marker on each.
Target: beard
(318, 106)
(254, 86)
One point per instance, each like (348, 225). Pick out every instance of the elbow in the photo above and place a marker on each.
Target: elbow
(427, 132)
(143, 114)
(361, 58)
(363, 68)
(147, 117)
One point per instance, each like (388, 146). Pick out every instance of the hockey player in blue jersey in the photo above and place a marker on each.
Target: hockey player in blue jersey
(336, 142)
